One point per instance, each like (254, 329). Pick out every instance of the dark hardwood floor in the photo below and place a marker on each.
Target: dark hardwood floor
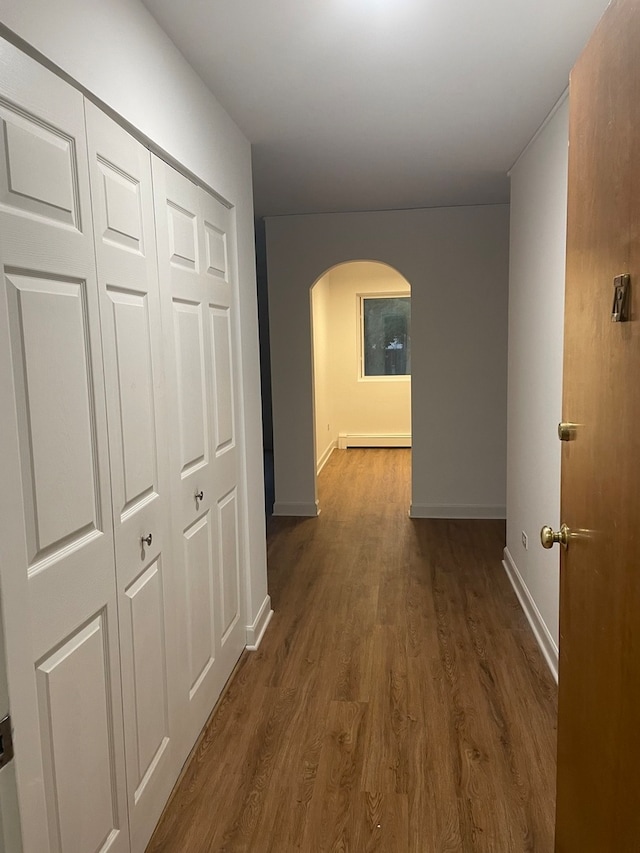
(398, 701)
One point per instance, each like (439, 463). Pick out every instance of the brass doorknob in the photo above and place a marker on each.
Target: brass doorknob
(549, 537)
(567, 431)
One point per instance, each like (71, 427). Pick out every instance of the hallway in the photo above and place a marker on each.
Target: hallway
(398, 701)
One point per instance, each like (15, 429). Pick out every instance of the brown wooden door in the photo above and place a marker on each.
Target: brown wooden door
(598, 807)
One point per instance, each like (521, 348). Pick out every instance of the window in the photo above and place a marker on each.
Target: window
(386, 341)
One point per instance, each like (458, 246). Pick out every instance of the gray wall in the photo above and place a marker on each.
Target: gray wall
(536, 319)
(456, 260)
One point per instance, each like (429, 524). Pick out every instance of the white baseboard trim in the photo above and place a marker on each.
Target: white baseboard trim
(325, 456)
(255, 632)
(534, 617)
(457, 511)
(303, 509)
(347, 439)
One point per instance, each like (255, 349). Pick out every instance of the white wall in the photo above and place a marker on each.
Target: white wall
(374, 406)
(119, 54)
(456, 261)
(536, 317)
(325, 425)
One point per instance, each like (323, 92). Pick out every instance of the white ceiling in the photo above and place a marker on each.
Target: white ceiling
(379, 104)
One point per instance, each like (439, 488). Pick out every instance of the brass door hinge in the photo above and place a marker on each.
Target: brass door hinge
(620, 310)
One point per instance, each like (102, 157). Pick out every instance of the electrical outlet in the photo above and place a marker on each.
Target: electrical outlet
(525, 541)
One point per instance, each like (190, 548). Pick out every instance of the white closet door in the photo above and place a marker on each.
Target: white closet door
(192, 263)
(56, 537)
(121, 189)
(188, 376)
(221, 289)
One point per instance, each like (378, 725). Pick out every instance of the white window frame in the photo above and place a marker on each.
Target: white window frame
(360, 297)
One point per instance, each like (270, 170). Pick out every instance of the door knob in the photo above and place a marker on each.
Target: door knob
(567, 431)
(148, 539)
(199, 496)
(549, 537)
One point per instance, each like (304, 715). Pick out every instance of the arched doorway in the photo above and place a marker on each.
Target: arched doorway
(361, 354)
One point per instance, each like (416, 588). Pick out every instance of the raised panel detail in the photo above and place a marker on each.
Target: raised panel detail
(223, 367)
(54, 401)
(135, 395)
(40, 171)
(146, 617)
(229, 562)
(191, 384)
(77, 733)
(216, 244)
(183, 241)
(199, 589)
(123, 213)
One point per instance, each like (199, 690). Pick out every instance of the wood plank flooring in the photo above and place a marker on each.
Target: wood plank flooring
(398, 702)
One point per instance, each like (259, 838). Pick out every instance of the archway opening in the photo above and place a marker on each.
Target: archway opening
(361, 353)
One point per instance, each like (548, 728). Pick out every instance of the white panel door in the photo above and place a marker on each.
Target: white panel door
(122, 200)
(188, 373)
(193, 268)
(222, 292)
(56, 538)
